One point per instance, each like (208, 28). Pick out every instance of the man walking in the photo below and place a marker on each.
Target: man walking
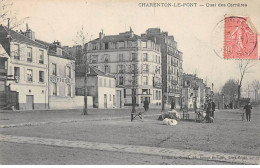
(213, 106)
(172, 104)
(248, 108)
(208, 111)
(146, 104)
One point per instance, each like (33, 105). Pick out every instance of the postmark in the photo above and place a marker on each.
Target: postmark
(240, 41)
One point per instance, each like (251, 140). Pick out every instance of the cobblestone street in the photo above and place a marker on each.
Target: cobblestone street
(186, 143)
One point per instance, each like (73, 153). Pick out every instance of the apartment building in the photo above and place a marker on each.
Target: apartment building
(27, 68)
(135, 62)
(171, 63)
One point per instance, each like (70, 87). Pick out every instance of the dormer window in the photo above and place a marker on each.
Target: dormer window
(59, 51)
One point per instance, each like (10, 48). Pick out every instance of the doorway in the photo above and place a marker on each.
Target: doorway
(29, 102)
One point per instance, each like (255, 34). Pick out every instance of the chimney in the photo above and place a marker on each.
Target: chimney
(8, 19)
(101, 35)
(29, 33)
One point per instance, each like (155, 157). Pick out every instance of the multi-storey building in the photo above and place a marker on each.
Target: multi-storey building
(61, 78)
(171, 65)
(135, 61)
(195, 92)
(27, 66)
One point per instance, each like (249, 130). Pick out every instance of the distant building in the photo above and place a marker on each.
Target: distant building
(135, 62)
(100, 85)
(171, 64)
(27, 68)
(195, 92)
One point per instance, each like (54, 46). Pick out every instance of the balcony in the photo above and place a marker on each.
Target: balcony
(174, 82)
(121, 71)
(29, 59)
(174, 64)
(172, 90)
(157, 85)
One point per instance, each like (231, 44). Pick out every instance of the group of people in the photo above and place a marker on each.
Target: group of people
(209, 107)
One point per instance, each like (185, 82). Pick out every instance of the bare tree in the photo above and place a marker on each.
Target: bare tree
(82, 58)
(244, 67)
(8, 16)
(256, 86)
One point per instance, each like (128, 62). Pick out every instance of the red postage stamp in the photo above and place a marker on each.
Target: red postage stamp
(240, 41)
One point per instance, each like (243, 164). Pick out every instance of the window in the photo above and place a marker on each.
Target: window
(59, 51)
(144, 44)
(69, 90)
(41, 76)
(145, 68)
(114, 100)
(29, 75)
(134, 57)
(145, 57)
(41, 57)
(29, 54)
(16, 73)
(94, 59)
(121, 57)
(54, 69)
(54, 92)
(107, 68)
(133, 68)
(68, 72)
(121, 44)
(105, 82)
(145, 80)
(110, 83)
(121, 80)
(16, 52)
(121, 68)
(106, 46)
(110, 97)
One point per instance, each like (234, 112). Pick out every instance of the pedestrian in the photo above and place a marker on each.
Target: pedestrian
(208, 111)
(146, 104)
(213, 106)
(248, 108)
(172, 104)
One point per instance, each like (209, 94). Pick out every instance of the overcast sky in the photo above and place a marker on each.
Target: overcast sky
(192, 28)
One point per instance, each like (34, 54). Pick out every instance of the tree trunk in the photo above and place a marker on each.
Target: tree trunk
(85, 112)
(238, 95)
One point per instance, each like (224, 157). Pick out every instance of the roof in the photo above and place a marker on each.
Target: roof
(16, 36)
(80, 71)
(52, 52)
(116, 38)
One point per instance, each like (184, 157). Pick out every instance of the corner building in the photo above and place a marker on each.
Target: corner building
(135, 62)
(171, 65)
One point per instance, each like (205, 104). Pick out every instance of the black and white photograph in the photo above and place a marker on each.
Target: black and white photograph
(130, 82)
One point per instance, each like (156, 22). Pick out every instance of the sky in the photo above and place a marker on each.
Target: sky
(194, 28)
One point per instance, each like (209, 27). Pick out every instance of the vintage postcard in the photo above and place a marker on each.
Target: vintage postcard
(132, 82)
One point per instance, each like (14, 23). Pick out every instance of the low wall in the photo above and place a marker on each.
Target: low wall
(76, 102)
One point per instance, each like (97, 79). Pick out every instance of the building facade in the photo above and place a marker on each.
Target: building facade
(27, 68)
(101, 86)
(61, 78)
(171, 65)
(195, 92)
(133, 60)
